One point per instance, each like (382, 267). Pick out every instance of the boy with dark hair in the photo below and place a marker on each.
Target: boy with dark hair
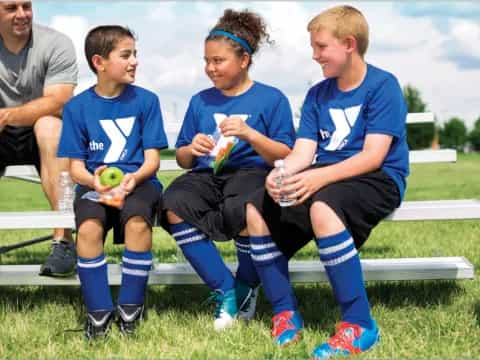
(353, 125)
(118, 124)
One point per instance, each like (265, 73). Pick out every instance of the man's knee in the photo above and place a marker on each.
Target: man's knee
(47, 131)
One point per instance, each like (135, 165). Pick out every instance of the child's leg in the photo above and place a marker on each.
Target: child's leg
(272, 268)
(202, 254)
(246, 278)
(136, 261)
(271, 264)
(342, 264)
(92, 266)
(246, 271)
(208, 263)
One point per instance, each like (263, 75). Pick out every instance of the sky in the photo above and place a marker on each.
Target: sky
(433, 46)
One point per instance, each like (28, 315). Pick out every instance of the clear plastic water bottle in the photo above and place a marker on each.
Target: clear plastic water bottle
(281, 173)
(66, 193)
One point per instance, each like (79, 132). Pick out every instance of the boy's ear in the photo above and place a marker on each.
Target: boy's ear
(97, 62)
(350, 43)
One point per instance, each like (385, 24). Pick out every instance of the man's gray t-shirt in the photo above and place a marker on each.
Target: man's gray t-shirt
(47, 59)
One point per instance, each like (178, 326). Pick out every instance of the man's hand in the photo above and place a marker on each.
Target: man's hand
(4, 113)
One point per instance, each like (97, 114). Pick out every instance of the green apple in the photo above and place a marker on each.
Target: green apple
(111, 176)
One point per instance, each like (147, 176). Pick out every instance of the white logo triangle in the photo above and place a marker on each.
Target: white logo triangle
(126, 124)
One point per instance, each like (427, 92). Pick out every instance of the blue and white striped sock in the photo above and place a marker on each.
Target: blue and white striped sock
(94, 283)
(203, 256)
(272, 267)
(342, 264)
(135, 268)
(246, 271)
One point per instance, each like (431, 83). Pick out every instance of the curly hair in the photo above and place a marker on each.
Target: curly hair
(244, 24)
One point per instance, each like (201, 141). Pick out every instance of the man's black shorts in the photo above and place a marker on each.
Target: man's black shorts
(18, 146)
(144, 201)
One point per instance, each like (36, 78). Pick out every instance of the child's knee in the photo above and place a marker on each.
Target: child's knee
(172, 218)
(91, 230)
(137, 225)
(324, 219)
(255, 223)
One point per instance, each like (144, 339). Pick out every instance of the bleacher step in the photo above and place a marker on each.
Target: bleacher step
(431, 268)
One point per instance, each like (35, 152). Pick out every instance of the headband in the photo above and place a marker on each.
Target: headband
(235, 38)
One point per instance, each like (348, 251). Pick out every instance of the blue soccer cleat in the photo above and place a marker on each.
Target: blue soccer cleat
(349, 339)
(286, 327)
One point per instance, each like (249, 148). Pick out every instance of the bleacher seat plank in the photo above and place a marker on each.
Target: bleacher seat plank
(409, 211)
(432, 156)
(432, 268)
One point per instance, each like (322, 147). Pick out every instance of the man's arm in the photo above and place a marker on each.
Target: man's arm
(51, 103)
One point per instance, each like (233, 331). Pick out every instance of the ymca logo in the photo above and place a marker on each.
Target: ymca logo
(118, 131)
(344, 120)
(219, 117)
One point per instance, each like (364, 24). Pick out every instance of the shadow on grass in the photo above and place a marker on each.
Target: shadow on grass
(316, 301)
(476, 312)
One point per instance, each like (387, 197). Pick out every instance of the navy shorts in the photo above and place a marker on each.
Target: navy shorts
(18, 146)
(214, 204)
(144, 201)
(360, 202)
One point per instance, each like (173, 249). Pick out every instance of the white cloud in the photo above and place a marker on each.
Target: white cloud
(171, 35)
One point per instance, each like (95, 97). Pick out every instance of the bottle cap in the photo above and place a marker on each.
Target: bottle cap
(279, 163)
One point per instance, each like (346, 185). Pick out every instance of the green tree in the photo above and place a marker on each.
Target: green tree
(419, 136)
(453, 134)
(474, 136)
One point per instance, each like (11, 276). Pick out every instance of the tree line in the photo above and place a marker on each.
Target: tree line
(453, 134)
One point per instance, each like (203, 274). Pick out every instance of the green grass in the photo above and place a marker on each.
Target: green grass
(418, 320)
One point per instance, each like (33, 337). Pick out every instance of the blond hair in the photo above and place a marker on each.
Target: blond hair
(343, 21)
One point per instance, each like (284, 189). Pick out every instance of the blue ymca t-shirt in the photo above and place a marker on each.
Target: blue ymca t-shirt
(266, 110)
(112, 131)
(340, 120)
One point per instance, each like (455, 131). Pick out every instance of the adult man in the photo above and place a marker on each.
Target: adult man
(38, 73)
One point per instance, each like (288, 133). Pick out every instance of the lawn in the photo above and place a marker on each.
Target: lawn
(418, 319)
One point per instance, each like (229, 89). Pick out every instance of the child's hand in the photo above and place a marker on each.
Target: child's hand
(235, 126)
(201, 145)
(272, 187)
(97, 185)
(128, 184)
(304, 184)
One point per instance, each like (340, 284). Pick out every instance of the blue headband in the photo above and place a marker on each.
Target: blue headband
(242, 42)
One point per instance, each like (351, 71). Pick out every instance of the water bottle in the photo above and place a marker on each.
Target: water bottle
(66, 192)
(281, 174)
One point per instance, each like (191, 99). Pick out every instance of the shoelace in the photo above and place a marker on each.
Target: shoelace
(60, 249)
(217, 298)
(281, 323)
(344, 336)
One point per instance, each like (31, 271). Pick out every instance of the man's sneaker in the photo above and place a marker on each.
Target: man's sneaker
(98, 324)
(246, 300)
(349, 339)
(286, 327)
(128, 317)
(61, 261)
(226, 309)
